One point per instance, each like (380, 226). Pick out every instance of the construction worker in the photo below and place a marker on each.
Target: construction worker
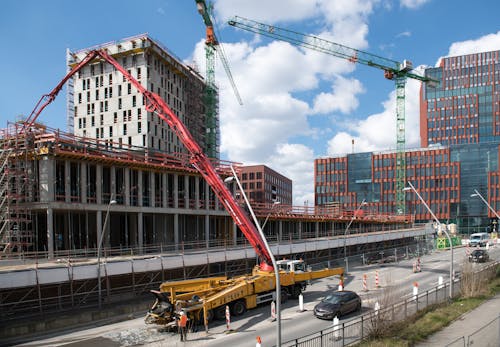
(182, 324)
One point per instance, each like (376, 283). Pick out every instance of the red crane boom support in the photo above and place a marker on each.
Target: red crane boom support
(155, 104)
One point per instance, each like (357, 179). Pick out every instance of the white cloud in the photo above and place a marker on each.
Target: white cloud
(404, 34)
(272, 79)
(160, 10)
(413, 4)
(297, 163)
(342, 98)
(378, 131)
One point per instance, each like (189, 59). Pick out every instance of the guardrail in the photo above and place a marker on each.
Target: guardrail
(359, 328)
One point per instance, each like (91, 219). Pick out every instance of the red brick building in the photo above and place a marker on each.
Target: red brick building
(264, 185)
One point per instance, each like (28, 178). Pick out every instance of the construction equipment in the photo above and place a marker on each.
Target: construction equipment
(213, 294)
(212, 46)
(204, 294)
(393, 70)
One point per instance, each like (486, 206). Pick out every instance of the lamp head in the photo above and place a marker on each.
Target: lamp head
(406, 189)
(228, 179)
(473, 195)
(112, 202)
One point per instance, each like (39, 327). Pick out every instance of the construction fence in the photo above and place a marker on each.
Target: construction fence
(370, 324)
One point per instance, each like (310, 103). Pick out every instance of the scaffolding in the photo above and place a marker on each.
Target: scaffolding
(17, 189)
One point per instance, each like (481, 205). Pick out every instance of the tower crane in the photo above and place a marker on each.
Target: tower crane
(393, 70)
(211, 47)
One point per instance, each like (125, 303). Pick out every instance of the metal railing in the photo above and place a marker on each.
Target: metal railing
(359, 328)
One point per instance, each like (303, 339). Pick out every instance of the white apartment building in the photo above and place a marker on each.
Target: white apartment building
(103, 105)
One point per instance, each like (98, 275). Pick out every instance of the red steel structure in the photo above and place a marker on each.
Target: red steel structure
(155, 104)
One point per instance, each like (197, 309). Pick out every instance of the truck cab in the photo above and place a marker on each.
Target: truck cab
(288, 265)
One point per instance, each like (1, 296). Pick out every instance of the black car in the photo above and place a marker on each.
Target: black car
(479, 256)
(337, 304)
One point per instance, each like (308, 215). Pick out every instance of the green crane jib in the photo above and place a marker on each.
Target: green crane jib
(210, 101)
(393, 70)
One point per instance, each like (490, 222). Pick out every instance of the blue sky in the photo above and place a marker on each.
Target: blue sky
(298, 105)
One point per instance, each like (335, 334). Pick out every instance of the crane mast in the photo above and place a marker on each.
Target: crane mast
(155, 104)
(210, 98)
(393, 70)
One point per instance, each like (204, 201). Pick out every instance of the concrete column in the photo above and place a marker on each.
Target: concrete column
(98, 189)
(207, 230)
(152, 189)
(164, 185)
(112, 173)
(152, 196)
(186, 191)
(47, 179)
(207, 196)
(235, 234)
(300, 230)
(140, 231)
(83, 182)
(127, 186)
(280, 231)
(50, 233)
(197, 192)
(176, 230)
(99, 221)
(139, 188)
(67, 181)
(316, 229)
(176, 191)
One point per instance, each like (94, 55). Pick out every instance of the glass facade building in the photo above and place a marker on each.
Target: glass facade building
(460, 136)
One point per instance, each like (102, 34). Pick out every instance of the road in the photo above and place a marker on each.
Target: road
(397, 276)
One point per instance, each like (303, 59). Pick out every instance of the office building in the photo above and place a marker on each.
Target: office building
(263, 185)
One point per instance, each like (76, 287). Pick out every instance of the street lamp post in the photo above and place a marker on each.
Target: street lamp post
(267, 217)
(486, 202)
(99, 246)
(345, 234)
(273, 260)
(411, 187)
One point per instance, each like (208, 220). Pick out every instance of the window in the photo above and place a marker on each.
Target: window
(115, 117)
(106, 105)
(119, 90)
(102, 119)
(124, 129)
(138, 73)
(110, 131)
(88, 96)
(139, 114)
(110, 92)
(139, 127)
(79, 98)
(92, 121)
(110, 79)
(134, 101)
(129, 88)
(119, 103)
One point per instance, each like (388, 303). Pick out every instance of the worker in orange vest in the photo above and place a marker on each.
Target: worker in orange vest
(182, 323)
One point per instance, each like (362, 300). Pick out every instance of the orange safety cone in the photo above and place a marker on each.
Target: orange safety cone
(341, 285)
(258, 343)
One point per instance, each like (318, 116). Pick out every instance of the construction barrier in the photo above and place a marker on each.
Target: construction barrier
(365, 285)
(415, 290)
(228, 318)
(259, 342)
(341, 284)
(273, 311)
(301, 303)
(376, 279)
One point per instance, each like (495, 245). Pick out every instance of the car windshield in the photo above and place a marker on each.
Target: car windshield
(475, 237)
(333, 299)
(478, 252)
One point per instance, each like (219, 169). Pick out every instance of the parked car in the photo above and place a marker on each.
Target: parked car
(479, 256)
(337, 304)
(479, 239)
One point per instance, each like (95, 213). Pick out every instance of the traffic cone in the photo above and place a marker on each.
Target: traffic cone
(341, 285)
(258, 343)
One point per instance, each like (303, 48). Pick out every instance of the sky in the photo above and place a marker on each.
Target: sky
(298, 104)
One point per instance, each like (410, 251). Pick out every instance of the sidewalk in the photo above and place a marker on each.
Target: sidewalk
(467, 325)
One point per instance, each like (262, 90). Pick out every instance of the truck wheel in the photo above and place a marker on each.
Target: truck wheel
(220, 313)
(238, 308)
(284, 296)
(296, 291)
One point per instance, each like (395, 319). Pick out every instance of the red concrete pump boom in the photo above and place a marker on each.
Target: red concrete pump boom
(155, 104)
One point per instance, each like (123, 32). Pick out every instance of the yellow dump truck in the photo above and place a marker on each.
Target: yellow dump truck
(213, 294)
